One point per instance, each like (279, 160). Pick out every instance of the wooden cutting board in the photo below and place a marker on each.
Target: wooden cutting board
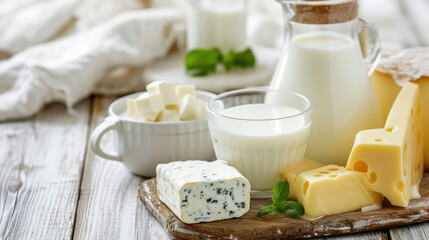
(277, 226)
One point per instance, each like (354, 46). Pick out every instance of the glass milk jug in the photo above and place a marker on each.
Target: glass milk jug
(322, 59)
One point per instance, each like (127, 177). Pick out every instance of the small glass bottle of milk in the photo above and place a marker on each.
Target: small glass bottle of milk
(217, 23)
(323, 60)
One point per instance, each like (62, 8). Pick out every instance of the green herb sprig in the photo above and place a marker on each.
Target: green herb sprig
(292, 209)
(201, 62)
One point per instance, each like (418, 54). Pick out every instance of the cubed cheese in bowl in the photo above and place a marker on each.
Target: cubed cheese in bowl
(142, 143)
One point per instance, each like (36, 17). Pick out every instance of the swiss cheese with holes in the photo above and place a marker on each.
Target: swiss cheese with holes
(391, 159)
(291, 172)
(333, 189)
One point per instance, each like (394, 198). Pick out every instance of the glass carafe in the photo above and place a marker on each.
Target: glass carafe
(216, 23)
(327, 57)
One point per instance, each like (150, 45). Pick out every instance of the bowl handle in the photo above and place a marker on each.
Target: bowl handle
(108, 124)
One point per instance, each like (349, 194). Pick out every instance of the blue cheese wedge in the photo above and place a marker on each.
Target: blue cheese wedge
(200, 191)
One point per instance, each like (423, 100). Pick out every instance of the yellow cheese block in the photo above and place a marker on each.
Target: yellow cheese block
(392, 158)
(291, 172)
(333, 189)
(386, 90)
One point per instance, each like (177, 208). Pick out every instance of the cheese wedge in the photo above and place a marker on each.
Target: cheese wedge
(386, 91)
(200, 191)
(392, 158)
(333, 189)
(291, 172)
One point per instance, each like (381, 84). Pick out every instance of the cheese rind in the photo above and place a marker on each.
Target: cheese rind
(333, 189)
(200, 191)
(392, 158)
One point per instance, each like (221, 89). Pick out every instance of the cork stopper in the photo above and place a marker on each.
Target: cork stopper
(322, 11)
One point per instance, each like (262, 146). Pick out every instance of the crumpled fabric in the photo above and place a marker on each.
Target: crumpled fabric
(24, 23)
(67, 69)
(405, 65)
(63, 51)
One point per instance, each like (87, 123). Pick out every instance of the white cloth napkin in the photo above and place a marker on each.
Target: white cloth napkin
(24, 23)
(97, 55)
(67, 69)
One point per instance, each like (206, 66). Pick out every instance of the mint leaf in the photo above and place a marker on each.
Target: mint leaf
(228, 61)
(280, 192)
(292, 209)
(266, 210)
(245, 59)
(201, 62)
(242, 59)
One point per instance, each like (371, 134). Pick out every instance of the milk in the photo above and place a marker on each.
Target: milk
(217, 23)
(260, 148)
(328, 69)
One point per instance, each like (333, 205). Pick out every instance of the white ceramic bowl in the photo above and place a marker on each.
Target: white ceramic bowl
(141, 146)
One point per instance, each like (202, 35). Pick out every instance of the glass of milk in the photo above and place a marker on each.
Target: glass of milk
(216, 23)
(259, 131)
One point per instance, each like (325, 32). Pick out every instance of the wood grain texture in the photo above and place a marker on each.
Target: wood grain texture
(41, 161)
(108, 205)
(276, 226)
(372, 235)
(416, 231)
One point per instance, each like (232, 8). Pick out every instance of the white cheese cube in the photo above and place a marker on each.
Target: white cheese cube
(203, 108)
(168, 115)
(166, 89)
(189, 108)
(182, 90)
(200, 191)
(131, 108)
(149, 106)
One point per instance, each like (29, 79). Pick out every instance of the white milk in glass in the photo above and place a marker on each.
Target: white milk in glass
(217, 23)
(260, 149)
(328, 69)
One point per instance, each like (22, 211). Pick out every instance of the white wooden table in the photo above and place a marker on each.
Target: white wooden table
(52, 186)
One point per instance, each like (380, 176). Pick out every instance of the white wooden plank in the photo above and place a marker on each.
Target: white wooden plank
(109, 207)
(410, 232)
(373, 235)
(41, 160)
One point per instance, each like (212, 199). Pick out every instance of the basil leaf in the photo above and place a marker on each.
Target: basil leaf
(293, 209)
(266, 210)
(280, 192)
(201, 62)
